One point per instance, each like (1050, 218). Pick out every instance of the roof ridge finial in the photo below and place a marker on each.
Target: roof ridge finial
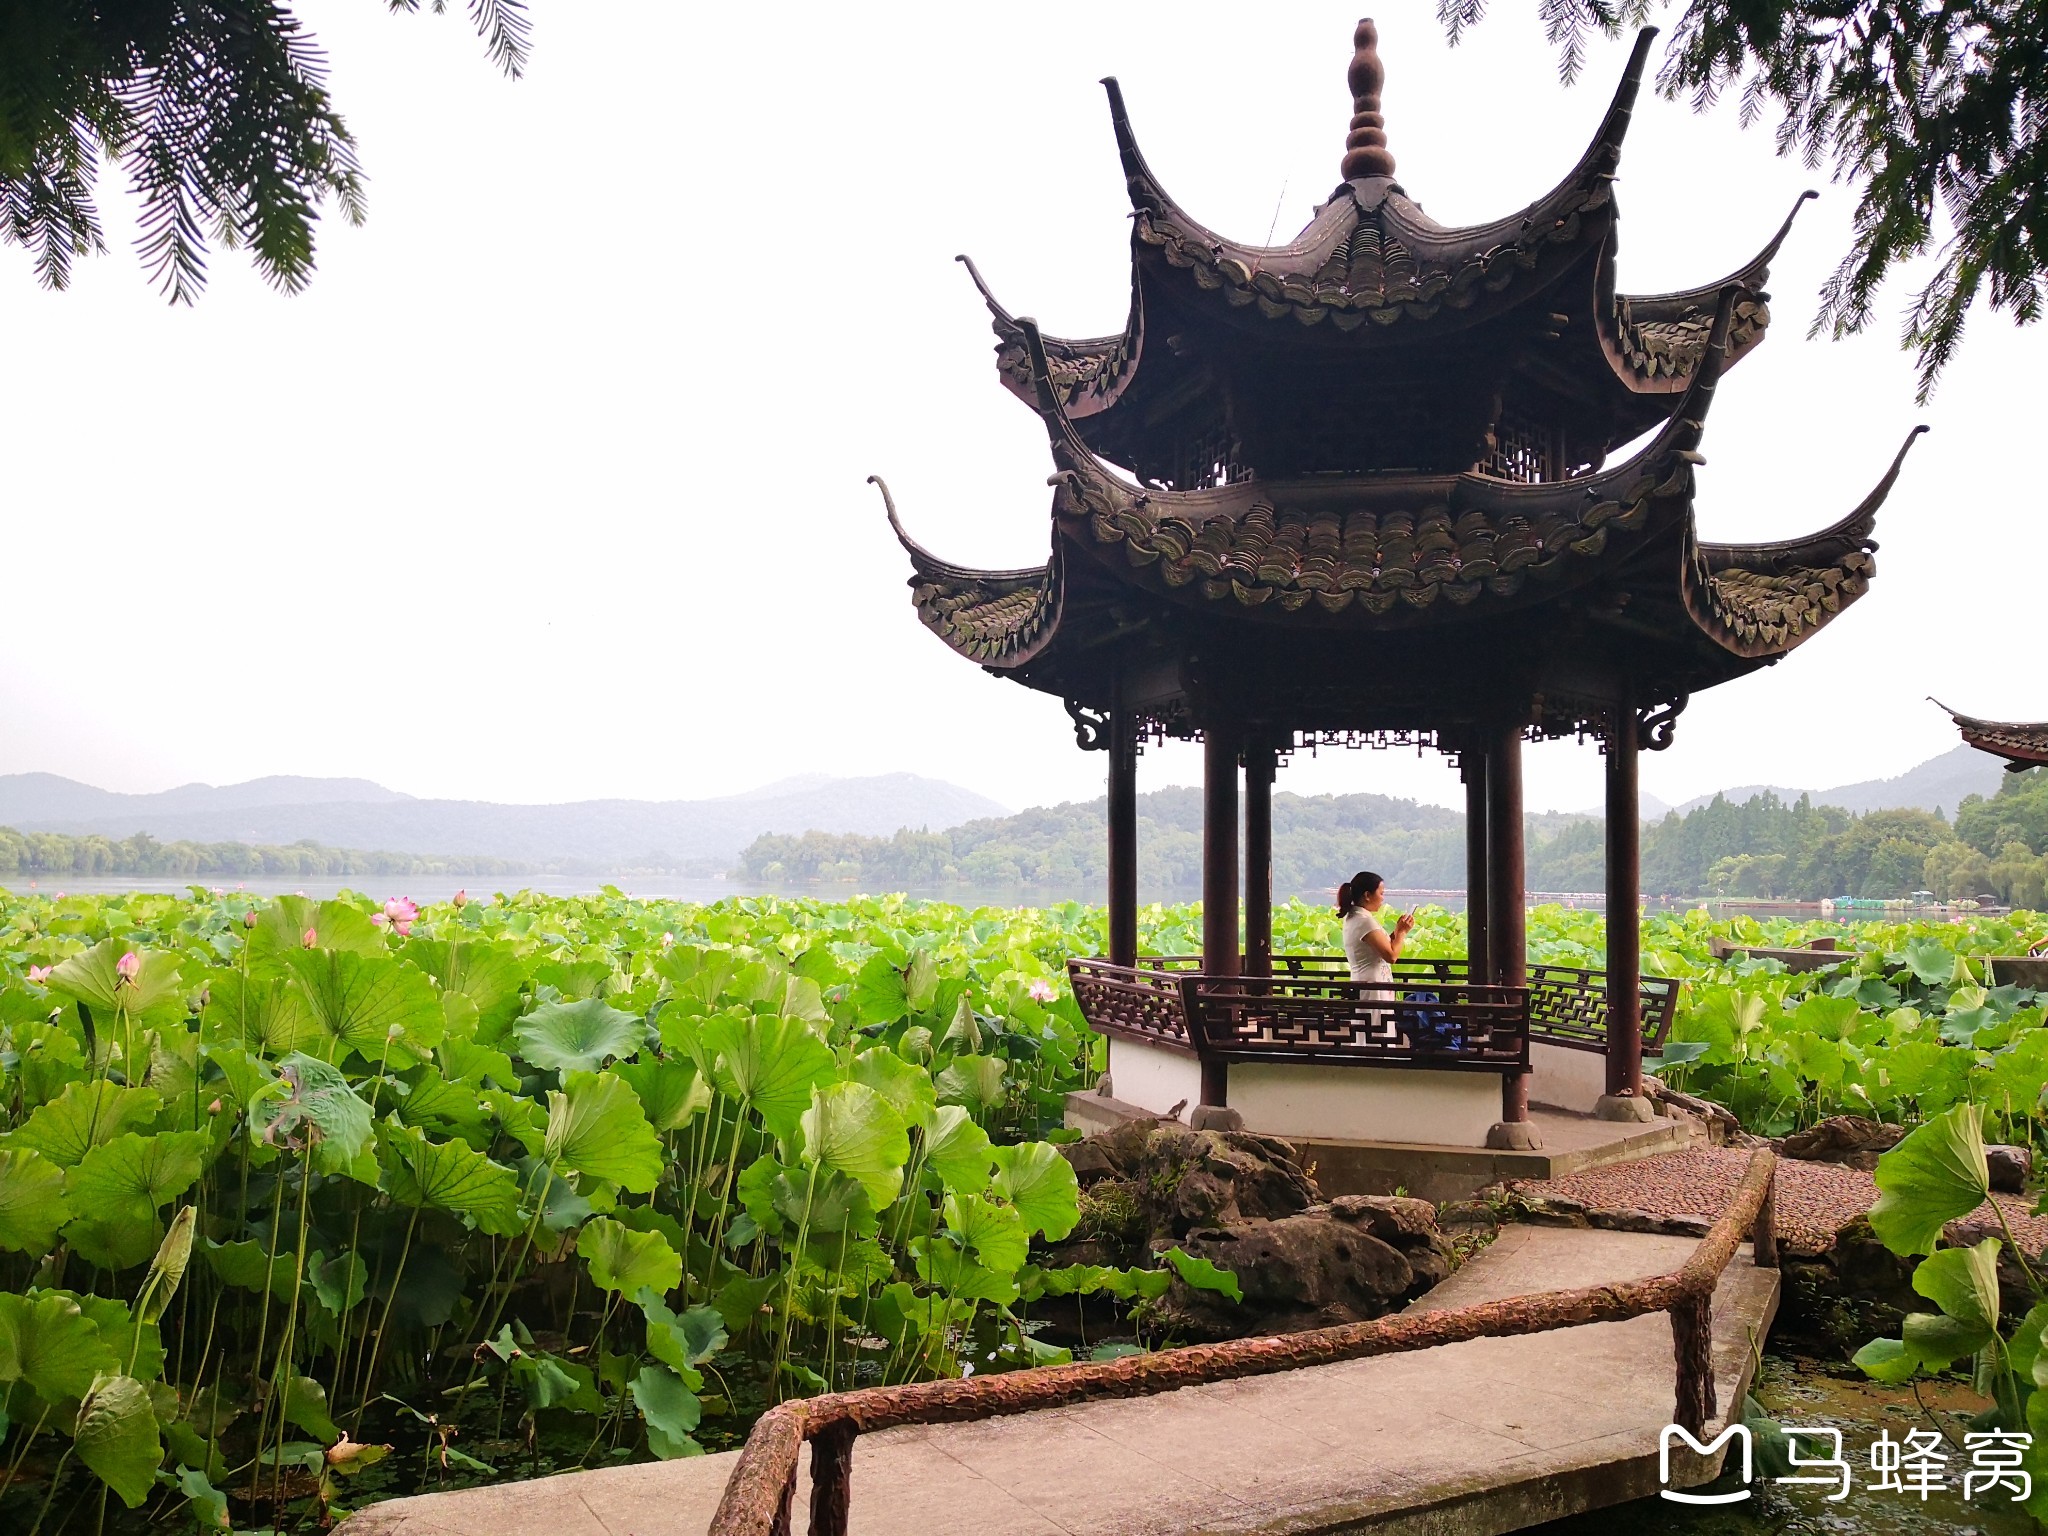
(1365, 148)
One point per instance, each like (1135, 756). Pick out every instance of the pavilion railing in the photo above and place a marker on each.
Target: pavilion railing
(1567, 1004)
(760, 1494)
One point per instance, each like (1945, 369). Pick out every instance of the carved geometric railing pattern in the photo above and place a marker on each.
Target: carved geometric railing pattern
(1567, 1004)
(1448, 1026)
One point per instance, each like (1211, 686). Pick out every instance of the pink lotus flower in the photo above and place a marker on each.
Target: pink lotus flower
(38, 974)
(1041, 992)
(128, 967)
(59, 896)
(310, 938)
(461, 900)
(400, 913)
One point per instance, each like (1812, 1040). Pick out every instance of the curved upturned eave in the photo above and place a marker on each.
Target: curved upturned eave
(996, 619)
(1092, 372)
(1289, 544)
(1452, 267)
(2023, 744)
(1629, 324)
(1759, 601)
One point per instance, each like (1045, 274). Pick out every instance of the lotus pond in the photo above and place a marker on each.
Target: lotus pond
(303, 1204)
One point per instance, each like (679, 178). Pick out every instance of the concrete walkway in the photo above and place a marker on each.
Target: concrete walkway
(1482, 1437)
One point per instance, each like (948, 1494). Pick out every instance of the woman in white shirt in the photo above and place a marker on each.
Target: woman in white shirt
(1368, 947)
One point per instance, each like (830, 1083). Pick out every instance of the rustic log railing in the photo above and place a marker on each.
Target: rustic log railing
(1567, 1004)
(762, 1489)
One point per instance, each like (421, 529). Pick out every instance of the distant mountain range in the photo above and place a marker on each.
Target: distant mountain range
(598, 835)
(1941, 783)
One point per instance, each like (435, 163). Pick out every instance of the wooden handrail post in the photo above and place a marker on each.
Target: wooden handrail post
(1692, 1345)
(1763, 1236)
(832, 1478)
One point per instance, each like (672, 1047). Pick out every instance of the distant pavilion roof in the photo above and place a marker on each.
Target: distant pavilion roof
(2022, 746)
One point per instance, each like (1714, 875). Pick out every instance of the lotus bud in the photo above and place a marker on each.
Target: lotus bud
(213, 1108)
(461, 900)
(248, 919)
(394, 1032)
(310, 938)
(129, 966)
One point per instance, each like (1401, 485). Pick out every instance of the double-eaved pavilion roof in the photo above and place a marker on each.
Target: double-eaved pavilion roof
(2023, 746)
(1389, 429)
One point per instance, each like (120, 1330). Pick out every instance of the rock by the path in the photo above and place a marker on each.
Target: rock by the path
(2011, 1167)
(1179, 1178)
(1849, 1140)
(1307, 1271)
(1390, 1218)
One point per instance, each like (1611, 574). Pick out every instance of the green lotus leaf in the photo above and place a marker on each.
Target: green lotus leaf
(84, 1116)
(1963, 1282)
(681, 1342)
(282, 928)
(597, 1127)
(94, 979)
(428, 1098)
(943, 1263)
(490, 975)
(1202, 1274)
(304, 1403)
(579, 1036)
(316, 1108)
(673, 1093)
(1936, 1342)
(921, 980)
(115, 1434)
(264, 1011)
(206, 1504)
(906, 1085)
(248, 1266)
(852, 1129)
(975, 1081)
(994, 1232)
(383, 1009)
(627, 1261)
(448, 1176)
(134, 1176)
(959, 1149)
(770, 1062)
(1040, 1183)
(137, 1346)
(671, 1410)
(47, 1341)
(464, 1061)
(338, 1282)
(1936, 1174)
(965, 1029)
(32, 1204)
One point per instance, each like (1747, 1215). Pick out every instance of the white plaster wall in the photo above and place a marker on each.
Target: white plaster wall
(1445, 1109)
(1152, 1078)
(1566, 1079)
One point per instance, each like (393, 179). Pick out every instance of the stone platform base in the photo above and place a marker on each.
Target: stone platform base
(1571, 1143)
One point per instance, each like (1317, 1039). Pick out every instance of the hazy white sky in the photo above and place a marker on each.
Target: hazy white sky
(552, 486)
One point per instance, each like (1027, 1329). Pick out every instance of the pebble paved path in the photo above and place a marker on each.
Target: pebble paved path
(1815, 1200)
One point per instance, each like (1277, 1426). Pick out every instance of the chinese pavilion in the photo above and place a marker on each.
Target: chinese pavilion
(1362, 488)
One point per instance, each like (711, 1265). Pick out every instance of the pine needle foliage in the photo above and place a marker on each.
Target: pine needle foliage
(217, 111)
(1933, 109)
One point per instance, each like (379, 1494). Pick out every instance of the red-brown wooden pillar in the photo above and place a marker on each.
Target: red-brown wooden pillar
(1478, 898)
(1624, 1097)
(1123, 838)
(1508, 918)
(1261, 763)
(1220, 953)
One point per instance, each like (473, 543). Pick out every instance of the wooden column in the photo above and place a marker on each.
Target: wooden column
(1624, 924)
(1261, 762)
(1220, 953)
(1507, 920)
(1478, 897)
(1123, 838)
